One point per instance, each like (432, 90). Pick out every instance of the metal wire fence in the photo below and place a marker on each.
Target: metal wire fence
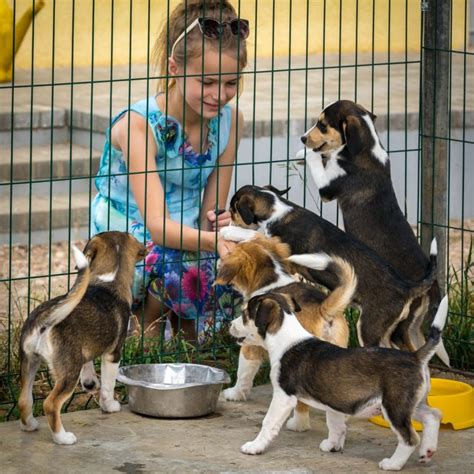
(82, 62)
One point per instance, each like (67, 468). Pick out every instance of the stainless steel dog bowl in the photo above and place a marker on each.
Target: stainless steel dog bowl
(173, 390)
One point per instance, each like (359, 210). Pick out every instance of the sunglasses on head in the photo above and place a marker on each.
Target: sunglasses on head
(214, 29)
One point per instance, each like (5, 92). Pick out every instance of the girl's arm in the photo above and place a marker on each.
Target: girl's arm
(146, 186)
(218, 185)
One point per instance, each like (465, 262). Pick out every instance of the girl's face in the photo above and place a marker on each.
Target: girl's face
(206, 92)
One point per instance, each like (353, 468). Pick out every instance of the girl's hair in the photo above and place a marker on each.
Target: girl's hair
(192, 45)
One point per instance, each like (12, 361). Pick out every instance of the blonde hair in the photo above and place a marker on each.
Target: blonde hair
(192, 46)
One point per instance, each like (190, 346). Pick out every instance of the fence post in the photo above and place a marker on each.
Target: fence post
(434, 127)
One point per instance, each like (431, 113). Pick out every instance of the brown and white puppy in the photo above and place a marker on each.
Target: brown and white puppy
(383, 297)
(305, 368)
(348, 163)
(263, 264)
(70, 331)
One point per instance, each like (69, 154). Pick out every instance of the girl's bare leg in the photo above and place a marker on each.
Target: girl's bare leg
(153, 315)
(187, 326)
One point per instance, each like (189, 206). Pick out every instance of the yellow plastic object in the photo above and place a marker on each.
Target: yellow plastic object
(9, 44)
(454, 399)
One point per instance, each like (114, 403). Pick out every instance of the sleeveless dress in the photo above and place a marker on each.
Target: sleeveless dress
(180, 279)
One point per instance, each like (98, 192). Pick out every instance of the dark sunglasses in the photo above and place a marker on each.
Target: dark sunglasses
(214, 29)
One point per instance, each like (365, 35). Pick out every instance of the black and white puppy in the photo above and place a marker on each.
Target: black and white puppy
(70, 331)
(303, 368)
(348, 163)
(383, 297)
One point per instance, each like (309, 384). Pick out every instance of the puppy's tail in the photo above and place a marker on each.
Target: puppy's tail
(426, 352)
(423, 286)
(342, 295)
(65, 304)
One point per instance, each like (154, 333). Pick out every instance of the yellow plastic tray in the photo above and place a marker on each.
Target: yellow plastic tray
(454, 399)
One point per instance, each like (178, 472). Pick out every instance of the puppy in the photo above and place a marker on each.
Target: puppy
(69, 331)
(382, 296)
(348, 163)
(340, 381)
(263, 264)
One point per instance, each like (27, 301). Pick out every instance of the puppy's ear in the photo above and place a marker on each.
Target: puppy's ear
(279, 192)
(92, 248)
(140, 250)
(268, 316)
(372, 116)
(227, 272)
(142, 253)
(296, 306)
(353, 134)
(245, 207)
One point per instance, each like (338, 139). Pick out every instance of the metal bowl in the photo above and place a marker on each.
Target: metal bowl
(173, 390)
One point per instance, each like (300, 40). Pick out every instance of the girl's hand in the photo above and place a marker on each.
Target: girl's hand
(218, 220)
(224, 246)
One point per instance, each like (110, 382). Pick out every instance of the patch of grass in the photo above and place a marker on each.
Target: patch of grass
(458, 334)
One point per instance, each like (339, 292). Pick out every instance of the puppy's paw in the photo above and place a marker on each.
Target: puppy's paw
(330, 446)
(30, 425)
(231, 233)
(64, 437)
(237, 234)
(425, 455)
(252, 447)
(109, 406)
(299, 422)
(388, 465)
(234, 394)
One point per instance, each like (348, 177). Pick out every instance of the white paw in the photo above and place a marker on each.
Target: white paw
(31, 424)
(330, 446)
(301, 154)
(233, 394)
(388, 465)
(109, 406)
(229, 233)
(298, 423)
(64, 437)
(237, 234)
(313, 156)
(252, 447)
(426, 454)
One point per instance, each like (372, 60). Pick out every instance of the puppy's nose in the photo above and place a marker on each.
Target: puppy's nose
(304, 138)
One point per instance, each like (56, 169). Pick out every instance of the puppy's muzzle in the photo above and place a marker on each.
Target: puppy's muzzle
(233, 332)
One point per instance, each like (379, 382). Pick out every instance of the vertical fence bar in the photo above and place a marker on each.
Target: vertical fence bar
(434, 127)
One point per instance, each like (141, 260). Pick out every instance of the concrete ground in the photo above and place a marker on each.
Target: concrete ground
(130, 443)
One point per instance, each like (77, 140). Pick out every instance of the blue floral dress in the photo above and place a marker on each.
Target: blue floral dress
(182, 280)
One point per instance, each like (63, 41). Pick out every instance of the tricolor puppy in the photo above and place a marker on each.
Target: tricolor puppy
(262, 264)
(348, 163)
(70, 331)
(383, 297)
(306, 368)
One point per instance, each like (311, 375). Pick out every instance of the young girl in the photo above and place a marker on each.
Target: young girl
(164, 151)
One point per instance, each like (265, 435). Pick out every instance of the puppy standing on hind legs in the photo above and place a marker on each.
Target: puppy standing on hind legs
(303, 367)
(348, 163)
(70, 331)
